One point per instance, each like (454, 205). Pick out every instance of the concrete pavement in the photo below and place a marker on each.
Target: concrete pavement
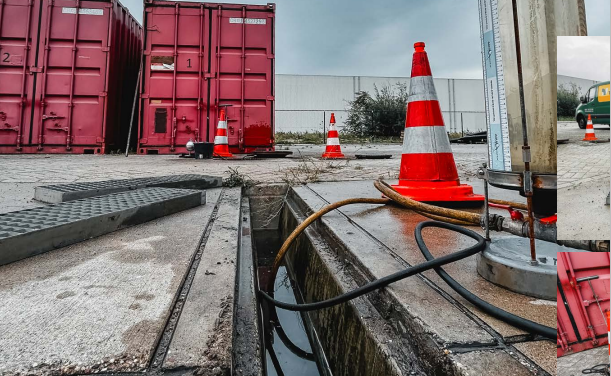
(583, 184)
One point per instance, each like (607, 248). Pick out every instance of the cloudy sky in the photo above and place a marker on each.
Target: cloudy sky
(363, 37)
(584, 57)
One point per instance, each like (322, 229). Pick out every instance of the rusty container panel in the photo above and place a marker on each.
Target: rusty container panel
(71, 91)
(199, 57)
(583, 301)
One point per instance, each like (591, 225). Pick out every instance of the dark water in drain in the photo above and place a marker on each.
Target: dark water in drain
(288, 349)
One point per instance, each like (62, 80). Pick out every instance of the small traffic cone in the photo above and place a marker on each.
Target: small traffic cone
(333, 149)
(428, 172)
(590, 136)
(221, 145)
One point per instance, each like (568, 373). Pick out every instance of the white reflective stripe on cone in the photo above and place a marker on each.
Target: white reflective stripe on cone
(430, 139)
(421, 88)
(589, 130)
(220, 140)
(333, 141)
(222, 125)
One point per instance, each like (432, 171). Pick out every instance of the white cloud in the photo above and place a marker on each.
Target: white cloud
(584, 57)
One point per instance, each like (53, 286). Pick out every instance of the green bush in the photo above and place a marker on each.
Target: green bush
(382, 114)
(568, 100)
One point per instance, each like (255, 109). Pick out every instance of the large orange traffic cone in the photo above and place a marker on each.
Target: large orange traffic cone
(221, 146)
(590, 136)
(333, 149)
(428, 172)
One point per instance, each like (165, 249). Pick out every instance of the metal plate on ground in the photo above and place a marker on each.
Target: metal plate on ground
(373, 156)
(54, 194)
(506, 262)
(30, 232)
(272, 154)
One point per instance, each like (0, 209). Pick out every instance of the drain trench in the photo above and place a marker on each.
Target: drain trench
(168, 332)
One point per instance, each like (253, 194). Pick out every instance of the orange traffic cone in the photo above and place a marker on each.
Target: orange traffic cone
(221, 146)
(590, 136)
(428, 172)
(333, 149)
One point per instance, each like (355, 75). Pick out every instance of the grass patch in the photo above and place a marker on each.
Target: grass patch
(318, 138)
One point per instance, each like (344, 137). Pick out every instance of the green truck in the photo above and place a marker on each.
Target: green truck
(596, 103)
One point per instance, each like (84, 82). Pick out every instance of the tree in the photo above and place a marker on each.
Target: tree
(568, 99)
(380, 115)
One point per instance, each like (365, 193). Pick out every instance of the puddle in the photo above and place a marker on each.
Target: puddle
(288, 347)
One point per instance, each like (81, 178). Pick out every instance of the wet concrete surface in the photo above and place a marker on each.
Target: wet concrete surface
(574, 364)
(393, 229)
(99, 305)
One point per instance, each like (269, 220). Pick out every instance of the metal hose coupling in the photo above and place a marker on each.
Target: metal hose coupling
(521, 228)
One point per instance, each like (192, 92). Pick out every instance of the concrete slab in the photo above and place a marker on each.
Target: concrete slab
(574, 364)
(203, 336)
(541, 352)
(30, 232)
(99, 305)
(491, 363)
(75, 191)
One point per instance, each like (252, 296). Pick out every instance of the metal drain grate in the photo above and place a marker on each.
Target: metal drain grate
(30, 232)
(75, 191)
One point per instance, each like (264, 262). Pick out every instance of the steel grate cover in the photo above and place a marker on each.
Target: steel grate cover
(75, 191)
(30, 232)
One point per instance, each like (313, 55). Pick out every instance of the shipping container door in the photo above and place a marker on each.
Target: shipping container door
(243, 60)
(18, 32)
(71, 88)
(175, 95)
(583, 299)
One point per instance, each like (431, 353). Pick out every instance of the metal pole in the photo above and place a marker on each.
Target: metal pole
(131, 121)
(324, 127)
(462, 129)
(528, 192)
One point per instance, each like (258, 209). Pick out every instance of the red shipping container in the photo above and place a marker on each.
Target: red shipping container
(197, 57)
(68, 73)
(583, 301)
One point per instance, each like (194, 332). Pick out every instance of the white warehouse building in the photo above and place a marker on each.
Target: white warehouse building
(304, 103)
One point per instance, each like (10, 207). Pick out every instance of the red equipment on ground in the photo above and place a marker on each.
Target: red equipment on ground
(583, 301)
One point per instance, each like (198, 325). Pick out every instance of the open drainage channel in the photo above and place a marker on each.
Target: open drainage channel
(333, 341)
(365, 336)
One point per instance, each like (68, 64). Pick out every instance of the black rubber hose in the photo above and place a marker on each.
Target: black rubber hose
(496, 312)
(385, 281)
(601, 369)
